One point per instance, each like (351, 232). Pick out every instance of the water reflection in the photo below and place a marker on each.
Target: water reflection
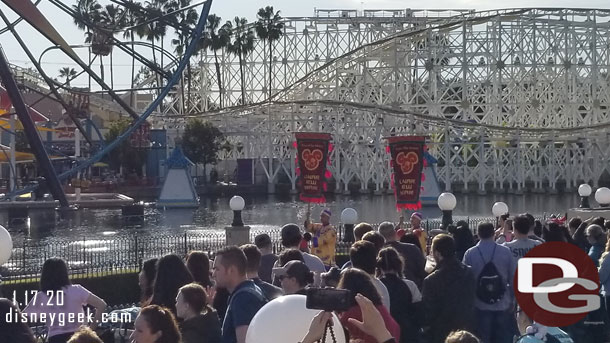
(265, 213)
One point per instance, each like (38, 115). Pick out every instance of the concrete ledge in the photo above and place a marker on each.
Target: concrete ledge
(586, 213)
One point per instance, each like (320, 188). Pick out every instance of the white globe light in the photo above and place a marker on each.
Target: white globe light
(349, 216)
(237, 203)
(499, 209)
(446, 201)
(291, 325)
(584, 190)
(6, 245)
(602, 196)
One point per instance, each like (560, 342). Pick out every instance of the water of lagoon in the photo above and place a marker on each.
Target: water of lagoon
(270, 212)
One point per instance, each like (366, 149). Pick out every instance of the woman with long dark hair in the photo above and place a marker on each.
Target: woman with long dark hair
(198, 263)
(58, 295)
(171, 275)
(464, 240)
(405, 298)
(146, 279)
(359, 282)
(155, 324)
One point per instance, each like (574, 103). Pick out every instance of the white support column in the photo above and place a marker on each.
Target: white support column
(447, 159)
(482, 163)
(293, 177)
(270, 126)
(77, 189)
(520, 171)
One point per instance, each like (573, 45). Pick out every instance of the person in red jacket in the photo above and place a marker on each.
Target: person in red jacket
(359, 282)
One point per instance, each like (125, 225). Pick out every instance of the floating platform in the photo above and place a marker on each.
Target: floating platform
(87, 200)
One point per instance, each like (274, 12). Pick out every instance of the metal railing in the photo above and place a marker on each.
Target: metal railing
(107, 256)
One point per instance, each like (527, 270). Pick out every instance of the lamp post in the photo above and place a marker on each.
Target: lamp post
(237, 204)
(349, 217)
(584, 191)
(446, 202)
(602, 196)
(499, 209)
(238, 233)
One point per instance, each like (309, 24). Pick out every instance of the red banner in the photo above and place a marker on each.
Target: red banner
(407, 163)
(312, 154)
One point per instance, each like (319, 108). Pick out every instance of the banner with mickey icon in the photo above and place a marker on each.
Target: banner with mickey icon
(407, 163)
(312, 156)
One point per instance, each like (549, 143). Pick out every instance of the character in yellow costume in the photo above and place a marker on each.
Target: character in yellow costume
(324, 240)
(416, 229)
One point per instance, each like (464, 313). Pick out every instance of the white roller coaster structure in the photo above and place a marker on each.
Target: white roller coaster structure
(510, 99)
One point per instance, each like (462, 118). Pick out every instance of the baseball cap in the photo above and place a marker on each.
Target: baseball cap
(295, 269)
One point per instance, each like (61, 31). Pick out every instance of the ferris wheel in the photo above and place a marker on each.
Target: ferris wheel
(109, 29)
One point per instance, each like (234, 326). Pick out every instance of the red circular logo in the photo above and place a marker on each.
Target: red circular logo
(557, 284)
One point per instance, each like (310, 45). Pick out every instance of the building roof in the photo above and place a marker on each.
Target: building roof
(5, 103)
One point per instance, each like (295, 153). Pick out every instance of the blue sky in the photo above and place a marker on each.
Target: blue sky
(228, 9)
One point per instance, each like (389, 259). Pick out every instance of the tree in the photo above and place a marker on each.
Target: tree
(214, 39)
(68, 73)
(154, 29)
(269, 28)
(201, 141)
(112, 18)
(86, 14)
(124, 156)
(185, 21)
(132, 14)
(241, 46)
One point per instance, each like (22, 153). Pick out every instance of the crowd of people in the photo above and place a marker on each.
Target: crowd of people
(451, 285)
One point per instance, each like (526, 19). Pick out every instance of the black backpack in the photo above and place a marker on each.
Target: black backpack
(490, 286)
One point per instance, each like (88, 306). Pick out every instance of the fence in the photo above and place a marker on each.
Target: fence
(90, 257)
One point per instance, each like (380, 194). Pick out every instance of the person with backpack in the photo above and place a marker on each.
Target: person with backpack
(492, 265)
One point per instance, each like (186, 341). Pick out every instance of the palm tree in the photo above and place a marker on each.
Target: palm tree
(87, 13)
(214, 39)
(269, 28)
(132, 13)
(241, 46)
(154, 30)
(112, 19)
(182, 20)
(68, 73)
(185, 21)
